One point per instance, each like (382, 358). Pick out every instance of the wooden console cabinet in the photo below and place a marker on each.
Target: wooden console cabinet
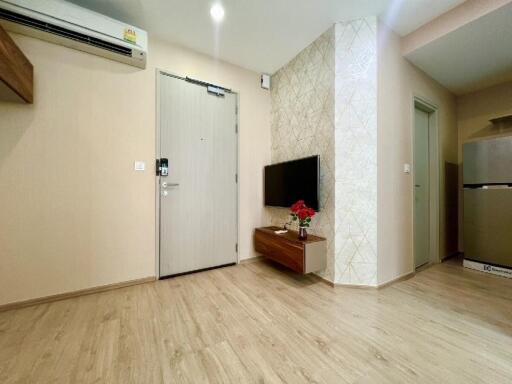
(301, 256)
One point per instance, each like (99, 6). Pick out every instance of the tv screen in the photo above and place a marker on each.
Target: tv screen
(285, 183)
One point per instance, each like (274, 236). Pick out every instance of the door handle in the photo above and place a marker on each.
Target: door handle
(417, 185)
(166, 184)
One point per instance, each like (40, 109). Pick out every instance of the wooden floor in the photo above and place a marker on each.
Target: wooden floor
(255, 323)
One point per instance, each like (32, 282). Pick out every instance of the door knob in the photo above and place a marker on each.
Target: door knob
(164, 185)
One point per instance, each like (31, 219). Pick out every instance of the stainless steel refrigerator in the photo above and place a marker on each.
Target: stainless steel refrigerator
(488, 203)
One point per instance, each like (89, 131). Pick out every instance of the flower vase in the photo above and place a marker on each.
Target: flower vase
(303, 235)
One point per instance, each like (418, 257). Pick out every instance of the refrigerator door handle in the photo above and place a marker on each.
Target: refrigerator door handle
(496, 187)
(501, 186)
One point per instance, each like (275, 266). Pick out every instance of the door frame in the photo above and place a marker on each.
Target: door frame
(163, 72)
(434, 177)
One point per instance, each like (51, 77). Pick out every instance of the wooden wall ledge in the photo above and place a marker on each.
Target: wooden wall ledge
(16, 72)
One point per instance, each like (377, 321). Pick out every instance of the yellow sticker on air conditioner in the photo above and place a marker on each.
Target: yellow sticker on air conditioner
(130, 35)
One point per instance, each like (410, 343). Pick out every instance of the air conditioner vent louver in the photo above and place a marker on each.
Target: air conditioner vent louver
(59, 31)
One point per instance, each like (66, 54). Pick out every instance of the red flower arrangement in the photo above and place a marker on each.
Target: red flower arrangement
(300, 212)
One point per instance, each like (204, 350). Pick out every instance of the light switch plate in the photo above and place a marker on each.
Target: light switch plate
(407, 168)
(139, 166)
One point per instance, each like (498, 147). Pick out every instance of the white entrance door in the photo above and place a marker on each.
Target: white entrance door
(198, 199)
(421, 188)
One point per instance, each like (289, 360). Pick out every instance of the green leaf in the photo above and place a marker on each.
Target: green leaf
(308, 219)
(294, 218)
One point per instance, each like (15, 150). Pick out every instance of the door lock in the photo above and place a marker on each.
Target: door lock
(162, 167)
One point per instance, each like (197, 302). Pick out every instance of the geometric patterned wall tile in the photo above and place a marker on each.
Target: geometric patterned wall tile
(302, 124)
(324, 102)
(356, 152)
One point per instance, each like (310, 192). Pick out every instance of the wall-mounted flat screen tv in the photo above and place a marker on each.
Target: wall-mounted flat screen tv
(287, 182)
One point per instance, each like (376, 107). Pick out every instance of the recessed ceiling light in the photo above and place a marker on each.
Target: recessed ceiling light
(217, 12)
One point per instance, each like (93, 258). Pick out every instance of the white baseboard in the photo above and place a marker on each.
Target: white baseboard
(71, 294)
(385, 284)
(403, 276)
(251, 259)
(487, 268)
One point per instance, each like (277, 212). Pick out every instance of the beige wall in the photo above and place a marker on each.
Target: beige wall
(474, 111)
(399, 82)
(74, 214)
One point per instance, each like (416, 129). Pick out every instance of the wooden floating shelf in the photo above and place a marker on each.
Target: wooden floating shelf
(302, 256)
(16, 72)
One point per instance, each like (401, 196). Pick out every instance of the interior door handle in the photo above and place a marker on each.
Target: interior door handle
(417, 185)
(166, 184)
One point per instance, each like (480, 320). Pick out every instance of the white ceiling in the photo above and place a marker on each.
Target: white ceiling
(475, 56)
(261, 35)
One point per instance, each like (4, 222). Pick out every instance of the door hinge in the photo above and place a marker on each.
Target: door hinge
(236, 177)
(236, 247)
(236, 128)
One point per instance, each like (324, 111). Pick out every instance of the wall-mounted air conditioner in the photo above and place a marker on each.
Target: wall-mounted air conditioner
(75, 27)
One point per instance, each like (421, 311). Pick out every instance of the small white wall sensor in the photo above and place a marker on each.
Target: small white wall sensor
(265, 81)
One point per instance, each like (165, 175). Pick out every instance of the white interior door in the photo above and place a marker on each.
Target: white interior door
(198, 199)
(421, 188)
